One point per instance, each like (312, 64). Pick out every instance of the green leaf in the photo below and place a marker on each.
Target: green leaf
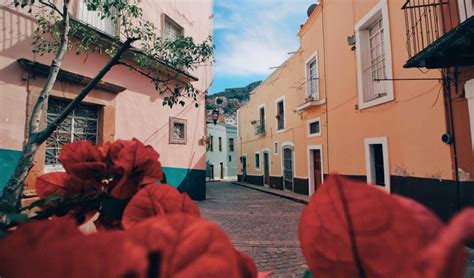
(308, 274)
(17, 217)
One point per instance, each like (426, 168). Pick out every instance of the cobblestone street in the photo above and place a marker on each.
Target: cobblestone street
(262, 225)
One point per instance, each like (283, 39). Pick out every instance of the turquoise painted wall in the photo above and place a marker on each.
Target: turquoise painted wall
(8, 159)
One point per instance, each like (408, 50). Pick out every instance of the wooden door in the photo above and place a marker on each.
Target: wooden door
(266, 168)
(317, 169)
(244, 168)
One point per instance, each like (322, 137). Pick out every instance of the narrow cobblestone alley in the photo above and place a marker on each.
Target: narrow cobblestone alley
(262, 225)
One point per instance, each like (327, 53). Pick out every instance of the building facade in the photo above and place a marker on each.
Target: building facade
(221, 159)
(351, 107)
(124, 106)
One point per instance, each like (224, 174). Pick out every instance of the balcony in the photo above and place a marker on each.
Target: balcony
(435, 39)
(260, 130)
(94, 19)
(308, 102)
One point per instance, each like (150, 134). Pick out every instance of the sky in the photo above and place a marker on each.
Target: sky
(251, 36)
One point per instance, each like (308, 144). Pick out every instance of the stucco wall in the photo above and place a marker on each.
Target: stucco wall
(136, 112)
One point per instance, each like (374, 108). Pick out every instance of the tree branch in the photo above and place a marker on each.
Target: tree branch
(53, 7)
(48, 130)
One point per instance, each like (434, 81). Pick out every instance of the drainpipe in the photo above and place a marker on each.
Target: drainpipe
(450, 125)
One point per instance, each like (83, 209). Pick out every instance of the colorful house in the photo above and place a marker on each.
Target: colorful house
(344, 103)
(123, 106)
(221, 152)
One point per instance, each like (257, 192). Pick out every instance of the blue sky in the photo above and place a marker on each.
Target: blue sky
(251, 36)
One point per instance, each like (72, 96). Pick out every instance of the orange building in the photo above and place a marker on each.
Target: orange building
(351, 107)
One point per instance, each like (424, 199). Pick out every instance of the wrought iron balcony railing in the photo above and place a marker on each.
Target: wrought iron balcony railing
(425, 21)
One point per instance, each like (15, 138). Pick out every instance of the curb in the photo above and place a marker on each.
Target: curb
(291, 198)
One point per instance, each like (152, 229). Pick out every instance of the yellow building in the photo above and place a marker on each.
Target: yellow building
(344, 103)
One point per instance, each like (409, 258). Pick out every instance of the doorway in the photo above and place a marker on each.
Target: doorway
(266, 168)
(222, 170)
(212, 172)
(315, 168)
(288, 168)
(243, 160)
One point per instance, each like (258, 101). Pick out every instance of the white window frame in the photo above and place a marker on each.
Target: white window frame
(275, 150)
(463, 7)
(368, 161)
(469, 89)
(363, 56)
(310, 167)
(309, 122)
(314, 57)
(259, 161)
(280, 99)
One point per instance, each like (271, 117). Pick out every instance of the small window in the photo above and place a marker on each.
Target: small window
(257, 160)
(314, 127)
(230, 158)
(211, 143)
(275, 147)
(280, 115)
(177, 131)
(220, 144)
(231, 144)
(172, 30)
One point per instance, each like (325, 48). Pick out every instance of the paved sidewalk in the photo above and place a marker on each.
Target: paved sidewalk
(304, 199)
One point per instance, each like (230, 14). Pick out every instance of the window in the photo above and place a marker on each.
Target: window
(93, 18)
(230, 158)
(466, 9)
(376, 155)
(275, 147)
(231, 144)
(314, 127)
(177, 131)
(257, 160)
(171, 30)
(262, 117)
(374, 65)
(312, 78)
(280, 109)
(220, 144)
(80, 125)
(211, 143)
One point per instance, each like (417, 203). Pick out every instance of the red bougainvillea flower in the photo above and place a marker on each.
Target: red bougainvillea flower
(154, 200)
(188, 246)
(350, 229)
(61, 183)
(247, 267)
(135, 166)
(56, 248)
(83, 160)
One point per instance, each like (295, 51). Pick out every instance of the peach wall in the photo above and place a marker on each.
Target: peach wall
(413, 122)
(138, 110)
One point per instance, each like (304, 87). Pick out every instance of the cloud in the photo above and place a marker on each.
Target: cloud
(252, 36)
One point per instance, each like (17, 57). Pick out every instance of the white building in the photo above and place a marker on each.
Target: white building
(221, 155)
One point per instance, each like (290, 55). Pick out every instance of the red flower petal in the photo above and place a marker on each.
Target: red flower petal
(62, 183)
(248, 269)
(188, 246)
(136, 164)
(57, 249)
(83, 160)
(384, 231)
(154, 200)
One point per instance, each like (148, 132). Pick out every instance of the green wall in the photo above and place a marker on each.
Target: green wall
(8, 159)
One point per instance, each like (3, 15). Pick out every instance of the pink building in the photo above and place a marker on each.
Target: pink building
(123, 106)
